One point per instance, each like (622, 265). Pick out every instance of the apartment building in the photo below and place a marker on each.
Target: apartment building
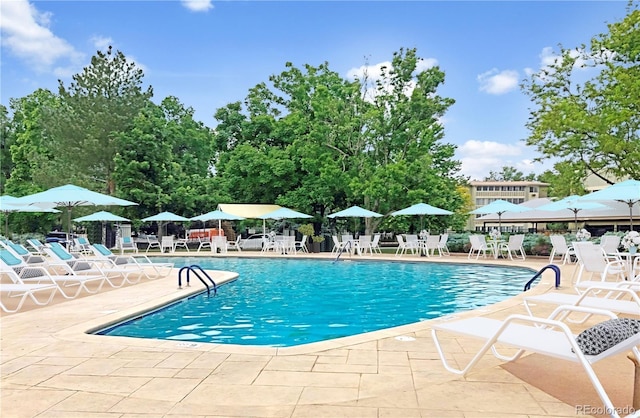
(485, 192)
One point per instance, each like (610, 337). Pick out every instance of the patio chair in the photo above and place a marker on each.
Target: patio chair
(610, 244)
(167, 244)
(29, 274)
(302, 244)
(513, 246)
(20, 251)
(135, 263)
(65, 263)
(338, 246)
(20, 290)
(205, 242)
(431, 245)
(545, 336)
(375, 244)
(598, 297)
(128, 244)
(152, 242)
(478, 245)
(219, 244)
(560, 248)
(363, 244)
(442, 245)
(594, 262)
(82, 245)
(38, 247)
(404, 246)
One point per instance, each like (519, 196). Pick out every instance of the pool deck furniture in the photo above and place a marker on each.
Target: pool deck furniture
(57, 369)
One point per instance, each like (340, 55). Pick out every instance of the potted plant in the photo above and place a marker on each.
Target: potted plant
(315, 240)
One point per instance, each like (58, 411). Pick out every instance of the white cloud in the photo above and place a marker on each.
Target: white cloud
(25, 32)
(478, 158)
(101, 42)
(373, 73)
(498, 82)
(198, 5)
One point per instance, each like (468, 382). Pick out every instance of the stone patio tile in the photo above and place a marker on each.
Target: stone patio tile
(393, 358)
(142, 363)
(558, 409)
(147, 355)
(243, 395)
(192, 374)
(207, 361)
(318, 379)
(395, 399)
(97, 367)
(322, 395)
(399, 413)
(384, 370)
(145, 372)
(165, 389)
(63, 361)
(29, 403)
(479, 397)
(332, 359)
(135, 405)
(179, 360)
(243, 411)
(292, 363)
(116, 385)
(83, 414)
(235, 373)
(428, 413)
(34, 374)
(87, 402)
(15, 364)
(369, 357)
(331, 411)
(346, 368)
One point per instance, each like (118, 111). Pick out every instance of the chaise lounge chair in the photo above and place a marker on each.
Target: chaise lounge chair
(21, 290)
(546, 336)
(136, 263)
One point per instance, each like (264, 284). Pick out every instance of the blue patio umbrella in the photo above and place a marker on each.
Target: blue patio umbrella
(574, 204)
(102, 216)
(627, 191)
(421, 209)
(9, 204)
(71, 196)
(355, 212)
(499, 207)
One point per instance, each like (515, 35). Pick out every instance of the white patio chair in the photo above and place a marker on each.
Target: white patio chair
(478, 245)
(594, 262)
(560, 248)
(545, 336)
(302, 244)
(403, 246)
(432, 244)
(152, 242)
(167, 244)
(235, 245)
(442, 245)
(375, 245)
(128, 244)
(513, 246)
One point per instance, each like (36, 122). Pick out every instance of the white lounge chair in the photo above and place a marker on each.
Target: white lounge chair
(20, 290)
(20, 251)
(152, 242)
(599, 297)
(82, 245)
(38, 247)
(594, 263)
(139, 263)
(128, 244)
(546, 336)
(30, 274)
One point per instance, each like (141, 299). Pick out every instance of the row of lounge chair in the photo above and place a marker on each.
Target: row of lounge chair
(51, 269)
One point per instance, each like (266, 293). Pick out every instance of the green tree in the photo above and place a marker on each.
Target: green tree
(100, 102)
(593, 124)
(509, 174)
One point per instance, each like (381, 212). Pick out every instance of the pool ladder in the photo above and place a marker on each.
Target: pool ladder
(553, 267)
(197, 270)
(343, 249)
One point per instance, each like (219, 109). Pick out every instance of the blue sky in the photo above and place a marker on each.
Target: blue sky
(209, 53)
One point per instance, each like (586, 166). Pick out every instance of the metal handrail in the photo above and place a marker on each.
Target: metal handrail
(553, 267)
(196, 269)
(348, 244)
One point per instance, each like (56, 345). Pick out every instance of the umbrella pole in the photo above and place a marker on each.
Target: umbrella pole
(630, 216)
(68, 226)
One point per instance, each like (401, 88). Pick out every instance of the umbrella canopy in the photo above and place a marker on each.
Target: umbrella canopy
(627, 191)
(10, 204)
(499, 207)
(284, 213)
(574, 204)
(165, 217)
(421, 209)
(102, 216)
(70, 196)
(355, 212)
(219, 215)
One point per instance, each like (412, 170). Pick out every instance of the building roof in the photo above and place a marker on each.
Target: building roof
(507, 183)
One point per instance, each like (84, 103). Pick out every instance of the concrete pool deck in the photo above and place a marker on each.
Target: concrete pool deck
(52, 368)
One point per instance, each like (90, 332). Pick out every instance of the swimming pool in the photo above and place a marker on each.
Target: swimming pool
(288, 302)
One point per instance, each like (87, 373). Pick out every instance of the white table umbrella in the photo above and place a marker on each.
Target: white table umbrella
(102, 216)
(421, 209)
(282, 213)
(8, 204)
(355, 212)
(165, 217)
(217, 215)
(574, 204)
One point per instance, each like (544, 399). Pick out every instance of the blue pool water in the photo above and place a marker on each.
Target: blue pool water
(287, 302)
